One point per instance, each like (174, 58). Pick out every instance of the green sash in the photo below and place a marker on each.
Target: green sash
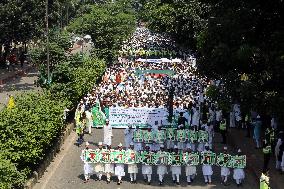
(192, 158)
(208, 158)
(181, 135)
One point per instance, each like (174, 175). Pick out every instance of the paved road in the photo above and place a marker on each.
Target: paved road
(18, 85)
(66, 172)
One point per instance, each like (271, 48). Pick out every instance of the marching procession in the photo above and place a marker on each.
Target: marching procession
(168, 120)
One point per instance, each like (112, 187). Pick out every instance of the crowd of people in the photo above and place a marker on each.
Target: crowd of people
(121, 86)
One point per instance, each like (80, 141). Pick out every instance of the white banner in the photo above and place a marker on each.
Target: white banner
(142, 117)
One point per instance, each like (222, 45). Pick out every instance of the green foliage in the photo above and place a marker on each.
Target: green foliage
(28, 130)
(108, 24)
(182, 20)
(10, 177)
(72, 78)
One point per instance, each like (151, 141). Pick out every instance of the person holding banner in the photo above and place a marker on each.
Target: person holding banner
(162, 167)
(131, 161)
(99, 166)
(176, 165)
(146, 167)
(225, 171)
(119, 167)
(207, 167)
(109, 167)
(190, 169)
(87, 164)
(239, 174)
(128, 136)
(107, 133)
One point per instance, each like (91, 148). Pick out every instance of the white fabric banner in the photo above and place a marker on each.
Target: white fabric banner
(142, 117)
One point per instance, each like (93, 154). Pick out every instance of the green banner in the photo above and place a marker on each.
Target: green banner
(165, 158)
(191, 158)
(99, 118)
(208, 158)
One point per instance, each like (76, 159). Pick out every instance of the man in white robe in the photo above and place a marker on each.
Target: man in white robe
(176, 169)
(161, 168)
(87, 165)
(225, 171)
(107, 133)
(99, 167)
(132, 168)
(190, 171)
(128, 135)
(109, 167)
(207, 168)
(239, 173)
(147, 169)
(119, 168)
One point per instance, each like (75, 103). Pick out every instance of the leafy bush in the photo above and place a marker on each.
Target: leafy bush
(10, 177)
(29, 129)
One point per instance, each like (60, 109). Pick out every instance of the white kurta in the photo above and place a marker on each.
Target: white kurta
(239, 174)
(225, 171)
(98, 167)
(87, 168)
(107, 134)
(190, 170)
(146, 169)
(119, 170)
(175, 169)
(162, 169)
(207, 170)
(132, 168)
(109, 168)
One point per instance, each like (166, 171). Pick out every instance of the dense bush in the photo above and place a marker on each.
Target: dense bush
(28, 130)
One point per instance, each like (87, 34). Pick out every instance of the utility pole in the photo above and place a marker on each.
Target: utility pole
(47, 41)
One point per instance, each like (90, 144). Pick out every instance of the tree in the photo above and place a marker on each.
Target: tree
(108, 24)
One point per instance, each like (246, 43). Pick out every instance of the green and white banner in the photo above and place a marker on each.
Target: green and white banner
(163, 157)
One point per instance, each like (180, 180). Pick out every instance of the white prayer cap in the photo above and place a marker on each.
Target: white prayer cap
(207, 144)
(225, 148)
(87, 143)
(239, 150)
(175, 147)
(120, 145)
(162, 146)
(147, 145)
(131, 144)
(107, 119)
(258, 117)
(100, 144)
